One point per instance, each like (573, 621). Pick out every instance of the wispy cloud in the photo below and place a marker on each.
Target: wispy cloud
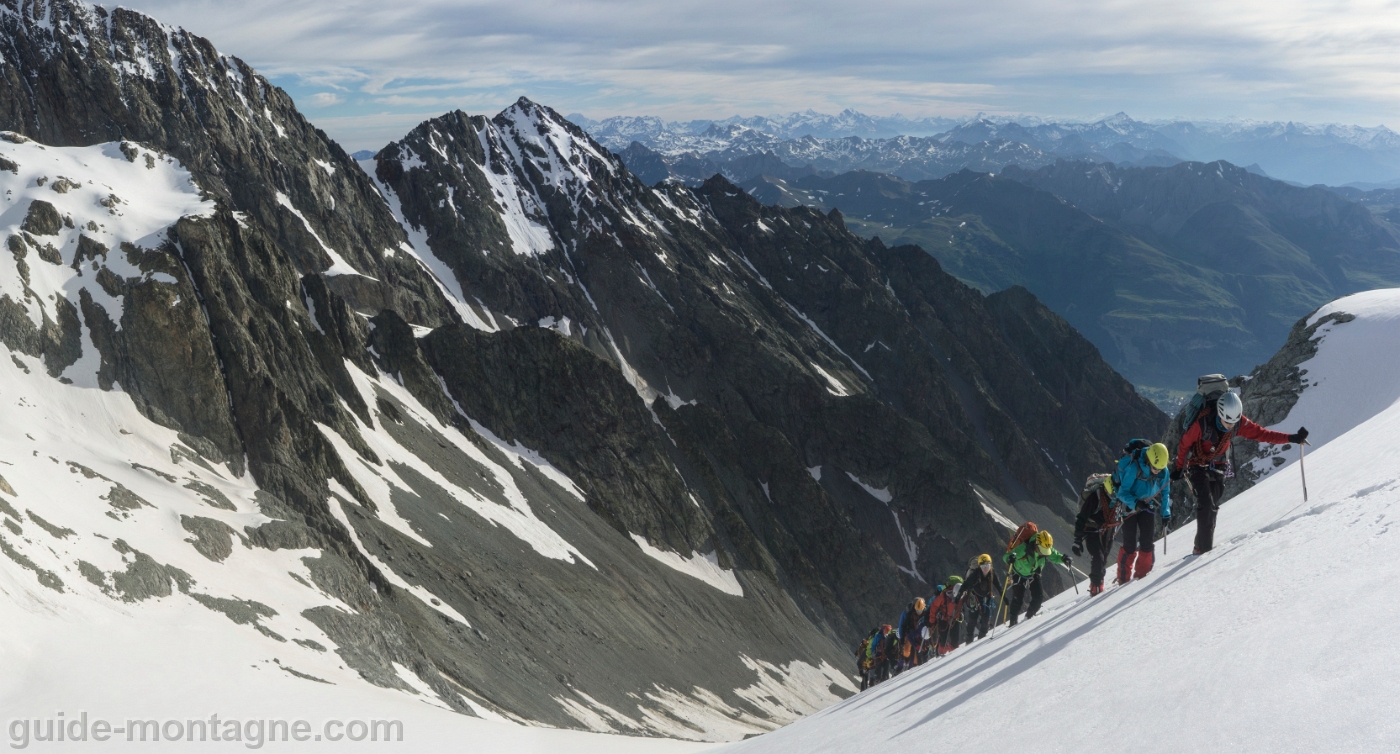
(1281, 59)
(325, 99)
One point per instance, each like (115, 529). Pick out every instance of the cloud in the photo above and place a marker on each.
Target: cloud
(325, 99)
(1275, 59)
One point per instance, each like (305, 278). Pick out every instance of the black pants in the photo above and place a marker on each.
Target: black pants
(1136, 556)
(1139, 530)
(946, 635)
(1209, 485)
(977, 618)
(1100, 546)
(1019, 585)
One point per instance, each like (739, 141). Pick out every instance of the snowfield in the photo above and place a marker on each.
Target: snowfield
(1283, 638)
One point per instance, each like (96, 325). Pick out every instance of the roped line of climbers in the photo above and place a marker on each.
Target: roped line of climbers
(1129, 500)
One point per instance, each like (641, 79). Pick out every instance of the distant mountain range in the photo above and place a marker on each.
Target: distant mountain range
(1169, 271)
(650, 130)
(910, 157)
(918, 149)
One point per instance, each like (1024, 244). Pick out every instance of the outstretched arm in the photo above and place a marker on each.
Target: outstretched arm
(1252, 431)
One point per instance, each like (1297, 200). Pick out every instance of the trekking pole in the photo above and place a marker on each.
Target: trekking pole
(1302, 471)
(1072, 579)
(1001, 602)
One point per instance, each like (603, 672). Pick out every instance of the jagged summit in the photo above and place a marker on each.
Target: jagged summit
(75, 74)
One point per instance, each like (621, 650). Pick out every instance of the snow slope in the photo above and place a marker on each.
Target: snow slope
(1352, 377)
(1283, 638)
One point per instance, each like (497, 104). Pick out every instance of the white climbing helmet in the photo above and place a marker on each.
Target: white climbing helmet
(1229, 408)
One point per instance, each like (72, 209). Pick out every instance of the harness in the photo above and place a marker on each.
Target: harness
(1220, 443)
(1111, 513)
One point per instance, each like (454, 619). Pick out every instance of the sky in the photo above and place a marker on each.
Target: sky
(368, 70)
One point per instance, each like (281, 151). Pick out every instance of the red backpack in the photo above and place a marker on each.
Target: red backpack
(1027, 530)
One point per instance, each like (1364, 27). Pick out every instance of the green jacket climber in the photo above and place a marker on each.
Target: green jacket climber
(1027, 560)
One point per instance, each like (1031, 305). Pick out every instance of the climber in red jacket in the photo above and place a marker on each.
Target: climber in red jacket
(1200, 457)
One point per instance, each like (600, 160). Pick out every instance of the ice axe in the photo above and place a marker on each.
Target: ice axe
(1303, 471)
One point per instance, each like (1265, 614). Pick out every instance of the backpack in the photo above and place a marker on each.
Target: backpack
(1135, 446)
(1094, 486)
(1025, 532)
(1209, 387)
(1134, 449)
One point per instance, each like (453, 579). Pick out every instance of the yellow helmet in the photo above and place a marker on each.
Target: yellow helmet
(919, 604)
(984, 559)
(1044, 541)
(1158, 456)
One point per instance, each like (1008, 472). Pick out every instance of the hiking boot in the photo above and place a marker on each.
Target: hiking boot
(1144, 564)
(1125, 565)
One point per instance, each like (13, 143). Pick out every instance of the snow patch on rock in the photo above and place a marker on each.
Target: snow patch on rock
(518, 518)
(702, 566)
(98, 193)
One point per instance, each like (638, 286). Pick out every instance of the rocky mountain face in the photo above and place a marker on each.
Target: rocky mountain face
(1171, 272)
(862, 375)
(486, 418)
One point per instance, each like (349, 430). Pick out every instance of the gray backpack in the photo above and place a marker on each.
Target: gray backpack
(1209, 387)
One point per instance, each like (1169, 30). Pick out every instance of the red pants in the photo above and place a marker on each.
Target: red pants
(1136, 554)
